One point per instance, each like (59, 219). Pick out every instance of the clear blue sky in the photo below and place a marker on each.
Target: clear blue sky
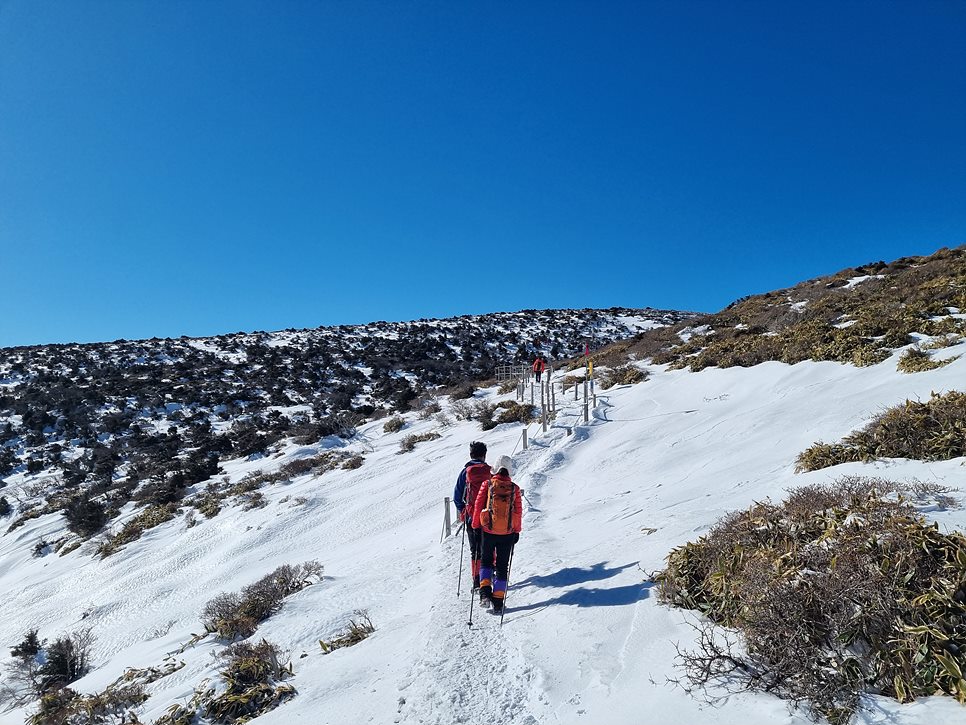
(195, 168)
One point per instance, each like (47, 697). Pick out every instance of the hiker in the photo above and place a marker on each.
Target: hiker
(468, 484)
(539, 365)
(498, 513)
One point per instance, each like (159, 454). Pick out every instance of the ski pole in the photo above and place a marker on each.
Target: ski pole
(508, 565)
(459, 581)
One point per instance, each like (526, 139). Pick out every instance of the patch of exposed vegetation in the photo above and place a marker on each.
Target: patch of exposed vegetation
(842, 590)
(623, 375)
(408, 443)
(119, 702)
(394, 424)
(359, 627)
(232, 616)
(931, 431)
(917, 360)
(253, 676)
(507, 411)
(133, 529)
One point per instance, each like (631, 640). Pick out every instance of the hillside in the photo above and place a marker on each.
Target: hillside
(586, 637)
(858, 316)
(95, 426)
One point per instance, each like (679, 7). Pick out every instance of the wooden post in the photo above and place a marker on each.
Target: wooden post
(586, 411)
(446, 520)
(543, 407)
(553, 398)
(531, 393)
(576, 390)
(525, 444)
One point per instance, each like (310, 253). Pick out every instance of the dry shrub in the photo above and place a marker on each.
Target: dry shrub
(623, 375)
(359, 627)
(408, 443)
(508, 411)
(394, 424)
(252, 675)
(133, 529)
(508, 386)
(930, 431)
(353, 462)
(232, 615)
(462, 409)
(916, 360)
(842, 590)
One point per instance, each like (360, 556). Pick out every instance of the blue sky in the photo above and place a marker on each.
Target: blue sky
(196, 168)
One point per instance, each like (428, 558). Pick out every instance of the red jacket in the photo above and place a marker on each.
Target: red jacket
(516, 514)
(539, 365)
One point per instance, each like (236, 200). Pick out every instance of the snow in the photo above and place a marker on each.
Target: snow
(853, 281)
(584, 639)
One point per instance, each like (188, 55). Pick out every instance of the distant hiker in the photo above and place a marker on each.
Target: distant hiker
(539, 365)
(468, 484)
(498, 513)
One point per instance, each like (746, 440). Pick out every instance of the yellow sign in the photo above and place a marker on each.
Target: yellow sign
(590, 367)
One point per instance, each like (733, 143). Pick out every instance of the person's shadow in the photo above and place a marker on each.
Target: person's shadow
(574, 575)
(586, 596)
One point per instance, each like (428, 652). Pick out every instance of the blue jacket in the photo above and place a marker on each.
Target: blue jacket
(460, 491)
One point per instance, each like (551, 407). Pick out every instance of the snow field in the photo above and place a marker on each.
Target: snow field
(584, 639)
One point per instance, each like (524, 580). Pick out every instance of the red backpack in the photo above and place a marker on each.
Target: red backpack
(476, 475)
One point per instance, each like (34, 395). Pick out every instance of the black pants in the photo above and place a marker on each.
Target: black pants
(496, 554)
(538, 374)
(475, 537)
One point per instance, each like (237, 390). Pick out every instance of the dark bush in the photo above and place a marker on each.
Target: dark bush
(842, 590)
(85, 516)
(4, 506)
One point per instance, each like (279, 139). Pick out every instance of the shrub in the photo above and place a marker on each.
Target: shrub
(623, 375)
(511, 411)
(66, 660)
(508, 386)
(915, 360)
(133, 529)
(462, 392)
(238, 615)
(85, 516)
(429, 407)
(394, 424)
(462, 409)
(251, 675)
(4, 506)
(353, 462)
(930, 431)
(843, 589)
(357, 630)
(408, 443)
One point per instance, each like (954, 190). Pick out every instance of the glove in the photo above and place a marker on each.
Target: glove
(516, 537)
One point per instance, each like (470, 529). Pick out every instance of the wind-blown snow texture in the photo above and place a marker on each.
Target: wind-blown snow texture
(584, 639)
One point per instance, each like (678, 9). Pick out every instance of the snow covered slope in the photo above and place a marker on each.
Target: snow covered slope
(584, 639)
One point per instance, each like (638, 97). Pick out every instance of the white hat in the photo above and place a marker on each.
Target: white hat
(504, 462)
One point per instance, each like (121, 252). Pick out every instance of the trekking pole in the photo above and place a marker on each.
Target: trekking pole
(459, 581)
(509, 564)
(472, 597)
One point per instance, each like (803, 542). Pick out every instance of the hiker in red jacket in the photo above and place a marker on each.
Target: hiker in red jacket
(539, 365)
(468, 484)
(498, 513)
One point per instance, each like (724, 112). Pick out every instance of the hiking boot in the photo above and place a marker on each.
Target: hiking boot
(496, 605)
(485, 593)
(476, 583)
